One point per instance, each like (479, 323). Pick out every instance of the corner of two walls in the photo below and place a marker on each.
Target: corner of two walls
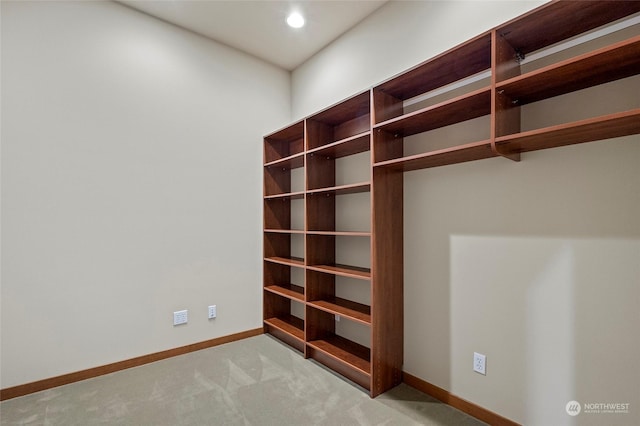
(534, 264)
(131, 185)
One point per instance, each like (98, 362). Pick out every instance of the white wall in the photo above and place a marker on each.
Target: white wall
(131, 185)
(399, 35)
(534, 264)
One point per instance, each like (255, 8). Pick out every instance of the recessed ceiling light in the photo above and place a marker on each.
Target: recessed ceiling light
(295, 20)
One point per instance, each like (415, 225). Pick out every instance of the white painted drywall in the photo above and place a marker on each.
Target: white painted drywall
(131, 185)
(399, 35)
(534, 264)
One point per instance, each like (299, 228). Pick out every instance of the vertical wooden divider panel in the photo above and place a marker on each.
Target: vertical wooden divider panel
(505, 114)
(387, 304)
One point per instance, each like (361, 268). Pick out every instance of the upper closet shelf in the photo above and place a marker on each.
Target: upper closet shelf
(593, 129)
(461, 108)
(442, 157)
(284, 143)
(601, 66)
(291, 162)
(349, 146)
(558, 21)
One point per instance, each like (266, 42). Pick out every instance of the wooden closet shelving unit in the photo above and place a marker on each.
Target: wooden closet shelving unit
(484, 79)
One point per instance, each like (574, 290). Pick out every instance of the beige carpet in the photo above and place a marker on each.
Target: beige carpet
(256, 381)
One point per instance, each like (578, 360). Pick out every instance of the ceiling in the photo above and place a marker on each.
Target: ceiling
(258, 27)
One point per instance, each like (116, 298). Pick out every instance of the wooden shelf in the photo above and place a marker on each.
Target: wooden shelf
(339, 123)
(601, 66)
(342, 189)
(463, 108)
(285, 143)
(290, 291)
(455, 64)
(343, 270)
(593, 129)
(345, 351)
(343, 148)
(286, 196)
(291, 261)
(341, 233)
(291, 162)
(442, 157)
(346, 308)
(290, 325)
(558, 21)
(285, 231)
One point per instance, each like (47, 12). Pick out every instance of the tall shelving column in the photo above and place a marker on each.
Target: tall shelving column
(283, 300)
(338, 328)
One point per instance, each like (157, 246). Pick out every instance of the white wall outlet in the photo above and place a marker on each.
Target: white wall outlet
(479, 363)
(212, 311)
(337, 318)
(180, 317)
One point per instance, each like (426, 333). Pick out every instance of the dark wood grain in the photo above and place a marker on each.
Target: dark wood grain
(387, 312)
(442, 157)
(287, 290)
(343, 307)
(461, 108)
(344, 147)
(354, 188)
(342, 270)
(284, 143)
(346, 351)
(289, 324)
(593, 129)
(455, 64)
(560, 20)
(610, 63)
(291, 261)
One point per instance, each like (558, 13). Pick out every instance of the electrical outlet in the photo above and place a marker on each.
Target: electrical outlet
(180, 317)
(212, 311)
(479, 363)
(337, 318)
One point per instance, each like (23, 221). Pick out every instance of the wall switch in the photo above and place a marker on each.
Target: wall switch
(180, 317)
(479, 363)
(212, 311)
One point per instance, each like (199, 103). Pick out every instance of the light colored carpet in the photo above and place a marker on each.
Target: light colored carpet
(256, 381)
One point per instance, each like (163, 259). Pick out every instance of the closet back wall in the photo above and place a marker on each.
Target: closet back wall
(534, 264)
(131, 185)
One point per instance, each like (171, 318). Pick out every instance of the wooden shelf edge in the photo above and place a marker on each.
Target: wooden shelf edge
(284, 231)
(592, 129)
(284, 195)
(353, 188)
(337, 143)
(343, 270)
(292, 326)
(291, 160)
(348, 309)
(294, 292)
(342, 233)
(290, 261)
(442, 157)
(343, 356)
(621, 60)
(475, 96)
